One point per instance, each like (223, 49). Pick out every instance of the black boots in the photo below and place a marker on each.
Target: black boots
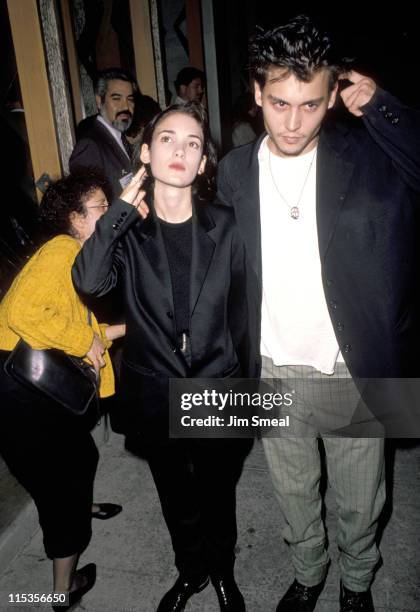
(229, 596)
(300, 598)
(184, 588)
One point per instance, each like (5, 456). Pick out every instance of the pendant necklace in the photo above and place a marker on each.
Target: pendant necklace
(294, 210)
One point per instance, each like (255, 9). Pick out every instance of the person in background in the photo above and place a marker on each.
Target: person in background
(101, 141)
(49, 450)
(102, 144)
(145, 109)
(190, 85)
(246, 126)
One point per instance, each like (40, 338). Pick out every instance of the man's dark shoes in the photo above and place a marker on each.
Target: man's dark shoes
(184, 588)
(87, 576)
(229, 596)
(353, 601)
(300, 598)
(106, 511)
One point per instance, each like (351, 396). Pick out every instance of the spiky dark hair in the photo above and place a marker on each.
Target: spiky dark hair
(299, 47)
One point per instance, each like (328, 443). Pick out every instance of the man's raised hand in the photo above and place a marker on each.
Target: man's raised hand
(359, 93)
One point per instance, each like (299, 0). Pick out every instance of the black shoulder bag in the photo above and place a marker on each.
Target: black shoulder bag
(66, 379)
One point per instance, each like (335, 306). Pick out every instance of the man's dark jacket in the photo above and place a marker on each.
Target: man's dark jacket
(98, 148)
(367, 198)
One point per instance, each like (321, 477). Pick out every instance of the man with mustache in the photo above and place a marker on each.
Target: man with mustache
(102, 141)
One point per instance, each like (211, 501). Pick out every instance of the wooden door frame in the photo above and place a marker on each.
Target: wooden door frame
(28, 44)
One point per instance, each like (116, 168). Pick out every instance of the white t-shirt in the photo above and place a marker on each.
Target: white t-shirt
(296, 328)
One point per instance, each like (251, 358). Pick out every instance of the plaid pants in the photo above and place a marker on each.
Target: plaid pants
(355, 466)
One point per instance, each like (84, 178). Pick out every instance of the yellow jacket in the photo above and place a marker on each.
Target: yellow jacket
(43, 308)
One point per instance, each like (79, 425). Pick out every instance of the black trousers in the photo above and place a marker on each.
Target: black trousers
(196, 481)
(54, 457)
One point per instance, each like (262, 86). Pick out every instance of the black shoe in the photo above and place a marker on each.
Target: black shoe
(300, 598)
(106, 511)
(229, 596)
(89, 573)
(176, 598)
(353, 601)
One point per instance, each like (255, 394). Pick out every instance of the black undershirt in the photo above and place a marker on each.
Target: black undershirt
(178, 243)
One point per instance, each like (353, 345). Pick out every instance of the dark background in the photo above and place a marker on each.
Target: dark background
(384, 39)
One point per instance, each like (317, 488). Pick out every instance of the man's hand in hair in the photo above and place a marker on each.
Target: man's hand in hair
(357, 94)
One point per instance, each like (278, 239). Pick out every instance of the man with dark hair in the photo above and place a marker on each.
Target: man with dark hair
(102, 144)
(189, 85)
(101, 139)
(326, 210)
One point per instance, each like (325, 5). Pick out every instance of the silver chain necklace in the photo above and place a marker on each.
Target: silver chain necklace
(294, 210)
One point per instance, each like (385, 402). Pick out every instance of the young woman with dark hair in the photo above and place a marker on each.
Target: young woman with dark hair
(182, 267)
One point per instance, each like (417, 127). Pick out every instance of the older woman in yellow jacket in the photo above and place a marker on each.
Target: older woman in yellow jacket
(50, 451)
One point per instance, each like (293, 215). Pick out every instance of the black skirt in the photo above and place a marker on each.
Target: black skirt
(53, 456)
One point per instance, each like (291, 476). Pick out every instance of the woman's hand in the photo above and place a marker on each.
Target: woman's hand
(95, 354)
(112, 332)
(133, 195)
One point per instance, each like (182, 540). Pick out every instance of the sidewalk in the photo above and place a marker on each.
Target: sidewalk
(134, 556)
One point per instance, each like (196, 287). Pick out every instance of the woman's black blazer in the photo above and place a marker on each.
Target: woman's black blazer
(126, 248)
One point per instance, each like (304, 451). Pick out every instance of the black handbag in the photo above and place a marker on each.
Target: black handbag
(66, 379)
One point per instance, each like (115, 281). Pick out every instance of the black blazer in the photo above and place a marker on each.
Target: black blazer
(126, 248)
(97, 148)
(368, 183)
